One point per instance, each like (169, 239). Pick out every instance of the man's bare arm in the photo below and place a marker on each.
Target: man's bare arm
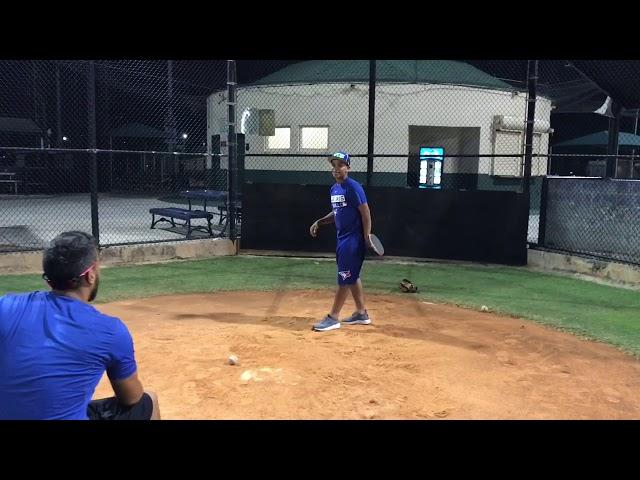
(329, 218)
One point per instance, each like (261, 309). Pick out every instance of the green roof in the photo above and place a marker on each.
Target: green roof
(387, 71)
(602, 138)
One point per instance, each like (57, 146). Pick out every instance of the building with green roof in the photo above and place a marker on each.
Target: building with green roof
(320, 106)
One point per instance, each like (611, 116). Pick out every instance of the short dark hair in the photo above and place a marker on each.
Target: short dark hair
(68, 256)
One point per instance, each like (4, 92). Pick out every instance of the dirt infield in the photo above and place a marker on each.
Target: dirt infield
(418, 360)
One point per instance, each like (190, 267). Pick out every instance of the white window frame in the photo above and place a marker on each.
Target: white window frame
(266, 140)
(321, 149)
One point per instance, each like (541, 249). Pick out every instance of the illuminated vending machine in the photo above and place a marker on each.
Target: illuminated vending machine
(431, 164)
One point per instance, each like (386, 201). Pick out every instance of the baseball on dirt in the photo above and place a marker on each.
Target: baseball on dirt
(484, 308)
(233, 360)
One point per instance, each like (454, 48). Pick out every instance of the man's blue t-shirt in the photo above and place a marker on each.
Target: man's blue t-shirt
(345, 199)
(53, 352)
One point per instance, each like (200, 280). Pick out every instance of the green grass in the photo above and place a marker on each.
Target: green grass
(595, 311)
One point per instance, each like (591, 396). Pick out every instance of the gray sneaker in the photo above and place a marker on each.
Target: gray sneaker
(358, 319)
(327, 323)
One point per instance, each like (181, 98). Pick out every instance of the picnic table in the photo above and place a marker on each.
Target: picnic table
(216, 198)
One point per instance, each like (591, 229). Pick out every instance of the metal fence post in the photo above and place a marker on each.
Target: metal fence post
(613, 140)
(371, 122)
(91, 108)
(232, 143)
(532, 82)
(542, 221)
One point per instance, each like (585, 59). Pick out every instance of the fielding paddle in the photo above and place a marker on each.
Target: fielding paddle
(376, 244)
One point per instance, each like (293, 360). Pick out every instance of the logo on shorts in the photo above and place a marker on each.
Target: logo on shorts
(346, 274)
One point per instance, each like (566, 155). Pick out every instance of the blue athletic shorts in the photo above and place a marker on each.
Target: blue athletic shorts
(350, 254)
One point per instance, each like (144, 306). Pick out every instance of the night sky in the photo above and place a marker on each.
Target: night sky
(136, 91)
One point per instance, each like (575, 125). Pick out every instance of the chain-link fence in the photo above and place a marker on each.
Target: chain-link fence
(432, 124)
(598, 217)
(100, 145)
(432, 109)
(123, 138)
(593, 166)
(131, 185)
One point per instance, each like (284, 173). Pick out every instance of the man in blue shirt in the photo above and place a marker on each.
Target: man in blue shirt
(353, 225)
(55, 347)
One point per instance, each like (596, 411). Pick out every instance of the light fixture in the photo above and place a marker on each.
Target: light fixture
(243, 121)
(64, 139)
(184, 135)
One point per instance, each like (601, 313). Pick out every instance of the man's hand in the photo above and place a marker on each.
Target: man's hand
(313, 230)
